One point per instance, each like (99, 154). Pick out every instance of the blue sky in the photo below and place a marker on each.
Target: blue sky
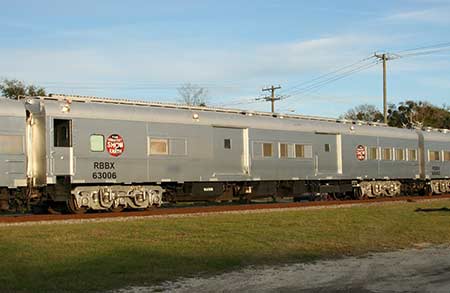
(147, 49)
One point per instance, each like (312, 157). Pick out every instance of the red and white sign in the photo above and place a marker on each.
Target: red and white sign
(115, 145)
(361, 152)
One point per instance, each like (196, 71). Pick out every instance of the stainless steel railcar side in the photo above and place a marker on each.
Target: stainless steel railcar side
(12, 151)
(112, 154)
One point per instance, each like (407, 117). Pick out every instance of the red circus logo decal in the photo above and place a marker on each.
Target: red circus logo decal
(361, 152)
(115, 145)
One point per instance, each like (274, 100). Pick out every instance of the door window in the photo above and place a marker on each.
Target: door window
(62, 133)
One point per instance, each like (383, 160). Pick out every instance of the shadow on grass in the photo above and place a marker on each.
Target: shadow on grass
(125, 267)
(428, 210)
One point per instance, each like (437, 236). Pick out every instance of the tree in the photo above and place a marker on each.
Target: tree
(407, 114)
(13, 89)
(364, 112)
(193, 95)
(411, 114)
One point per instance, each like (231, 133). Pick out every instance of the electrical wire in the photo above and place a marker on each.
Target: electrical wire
(332, 79)
(330, 73)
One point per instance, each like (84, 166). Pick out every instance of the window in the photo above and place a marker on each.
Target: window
(159, 146)
(62, 133)
(399, 154)
(11, 145)
(284, 150)
(227, 144)
(373, 153)
(299, 151)
(387, 154)
(412, 155)
(434, 155)
(97, 143)
(267, 150)
(327, 147)
(447, 156)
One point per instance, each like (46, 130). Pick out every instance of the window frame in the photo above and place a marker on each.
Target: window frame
(446, 156)
(103, 142)
(67, 124)
(158, 139)
(263, 153)
(391, 155)
(286, 156)
(303, 154)
(439, 159)
(396, 151)
(230, 142)
(369, 152)
(408, 151)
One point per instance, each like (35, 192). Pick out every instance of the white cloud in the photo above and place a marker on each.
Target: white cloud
(169, 62)
(438, 15)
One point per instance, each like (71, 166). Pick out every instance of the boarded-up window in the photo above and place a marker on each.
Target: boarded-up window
(291, 151)
(434, 155)
(373, 153)
(387, 154)
(97, 143)
(267, 150)
(412, 155)
(159, 146)
(400, 154)
(447, 156)
(11, 144)
(283, 150)
(257, 149)
(308, 151)
(177, 146)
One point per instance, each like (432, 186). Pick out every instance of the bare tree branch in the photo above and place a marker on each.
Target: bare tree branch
(193, 95)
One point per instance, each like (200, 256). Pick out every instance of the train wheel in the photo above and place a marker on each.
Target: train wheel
(73, 207)
(428, 190)
(117, 209)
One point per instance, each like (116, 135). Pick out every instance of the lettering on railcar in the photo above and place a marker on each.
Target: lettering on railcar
(104, 170)
(435, 170)
(115, 145)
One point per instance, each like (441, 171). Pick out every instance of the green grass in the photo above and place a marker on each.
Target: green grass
(101, 256)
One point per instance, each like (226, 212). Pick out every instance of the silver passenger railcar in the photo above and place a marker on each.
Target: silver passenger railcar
(106, 154)
(13, 177)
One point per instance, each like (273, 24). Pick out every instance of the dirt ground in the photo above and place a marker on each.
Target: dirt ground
(422, 269)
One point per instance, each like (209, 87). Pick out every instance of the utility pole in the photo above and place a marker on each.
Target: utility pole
(272, 97)
(384, 57)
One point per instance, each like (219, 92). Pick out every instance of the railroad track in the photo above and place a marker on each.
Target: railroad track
(189, 210)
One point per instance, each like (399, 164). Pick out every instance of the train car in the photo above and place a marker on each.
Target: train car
(103, 154)
(13, 176)
(436, 146)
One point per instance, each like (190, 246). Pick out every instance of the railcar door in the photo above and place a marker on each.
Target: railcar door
(328, 153)
(230, 151)
(62, 153)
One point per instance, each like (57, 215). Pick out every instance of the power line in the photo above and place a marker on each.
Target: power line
(330, 73)
(332, 79)
(426, 47)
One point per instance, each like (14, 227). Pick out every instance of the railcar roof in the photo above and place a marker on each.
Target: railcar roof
(10, 107)
(117, 109)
